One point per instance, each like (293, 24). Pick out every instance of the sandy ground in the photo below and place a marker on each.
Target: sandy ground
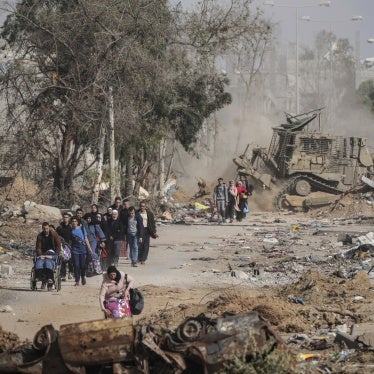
(167, 279)
(189, 265)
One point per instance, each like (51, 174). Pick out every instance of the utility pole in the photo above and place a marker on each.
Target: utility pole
(325, 3)
(112, 155)
(297, 62)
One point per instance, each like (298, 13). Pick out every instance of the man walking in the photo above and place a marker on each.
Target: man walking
(135, 232)
(48, 246)
(220, 198)
(64, 231)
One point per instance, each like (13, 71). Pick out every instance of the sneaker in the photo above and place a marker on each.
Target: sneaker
(83, 281)
(49, 284)
(133, 264)
(63, 279)
(76, 284)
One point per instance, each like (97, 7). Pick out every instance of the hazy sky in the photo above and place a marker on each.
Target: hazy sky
(337, 16)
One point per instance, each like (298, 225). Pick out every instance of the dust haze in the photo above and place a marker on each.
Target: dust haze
(235, 128)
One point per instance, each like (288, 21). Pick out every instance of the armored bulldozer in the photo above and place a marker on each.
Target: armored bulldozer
(303, 160)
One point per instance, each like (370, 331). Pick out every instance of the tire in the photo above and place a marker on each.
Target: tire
(189, 331)
(302, 187)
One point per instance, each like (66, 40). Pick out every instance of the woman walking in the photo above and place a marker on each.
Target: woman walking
(148, 232)
(79, 249)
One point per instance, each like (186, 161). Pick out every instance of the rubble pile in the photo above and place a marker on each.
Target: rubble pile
(350, 206)
(8, 340)
(308, 276)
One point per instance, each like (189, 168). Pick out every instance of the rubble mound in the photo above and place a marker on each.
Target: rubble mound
(18, 191)
(321, 290)
(314, 301)
(181, 196)
(8, 340)
(350, 206)
(278, 313)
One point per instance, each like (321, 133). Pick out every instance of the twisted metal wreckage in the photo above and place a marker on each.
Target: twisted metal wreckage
(199, 344)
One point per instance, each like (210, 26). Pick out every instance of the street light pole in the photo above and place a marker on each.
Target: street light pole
(325, 3)
(297, 62)
(357, 48)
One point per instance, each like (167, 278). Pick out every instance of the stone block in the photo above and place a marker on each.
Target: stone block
(347, 340)
(6, 269)
(364, 333)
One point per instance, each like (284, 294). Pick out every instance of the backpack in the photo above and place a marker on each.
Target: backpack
(136, 300)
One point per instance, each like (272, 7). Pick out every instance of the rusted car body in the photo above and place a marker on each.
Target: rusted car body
(200, 344)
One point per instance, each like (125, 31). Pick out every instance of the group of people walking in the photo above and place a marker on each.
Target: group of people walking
(122, 228)
(231, 202)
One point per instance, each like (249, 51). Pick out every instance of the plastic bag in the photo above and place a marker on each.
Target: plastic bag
(120, 308)
(93, 265)
(65, 252)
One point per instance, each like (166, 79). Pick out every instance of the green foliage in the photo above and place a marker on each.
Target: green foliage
(158, 62)
(366, 94)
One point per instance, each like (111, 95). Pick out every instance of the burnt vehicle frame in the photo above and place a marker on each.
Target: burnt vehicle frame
(198, 345)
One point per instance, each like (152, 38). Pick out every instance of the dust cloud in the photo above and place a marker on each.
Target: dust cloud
(231, 130)
(355, 121)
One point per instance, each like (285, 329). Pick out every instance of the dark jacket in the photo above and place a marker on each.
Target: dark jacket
(115, 230)
(43, 242)
(151, 224)
(123, 215)
(65, 232)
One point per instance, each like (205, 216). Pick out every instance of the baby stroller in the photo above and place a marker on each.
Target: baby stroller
(43, 278)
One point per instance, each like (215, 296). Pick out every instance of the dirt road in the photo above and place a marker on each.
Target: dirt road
(188, 265)
(168, 278)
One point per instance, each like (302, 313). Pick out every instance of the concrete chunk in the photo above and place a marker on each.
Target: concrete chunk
(348, 340)
(364, 333)
(6, 269)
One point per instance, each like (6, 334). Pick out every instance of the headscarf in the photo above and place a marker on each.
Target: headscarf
(113, 269)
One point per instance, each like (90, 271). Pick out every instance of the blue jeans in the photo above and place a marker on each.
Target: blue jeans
(133, 240)
(79, 260)
(45, 263)
(44, 268)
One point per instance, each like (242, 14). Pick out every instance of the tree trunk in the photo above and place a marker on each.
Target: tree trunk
(161, 165)
(128, 177)
(171, 160)
(112, 156)
(99, 166)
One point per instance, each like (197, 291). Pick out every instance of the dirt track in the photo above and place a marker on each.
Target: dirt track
(188, 265)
